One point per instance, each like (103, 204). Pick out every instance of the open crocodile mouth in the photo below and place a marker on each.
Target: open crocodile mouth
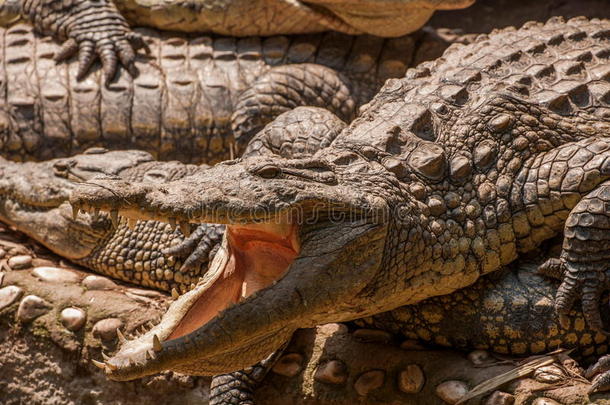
(251, 258)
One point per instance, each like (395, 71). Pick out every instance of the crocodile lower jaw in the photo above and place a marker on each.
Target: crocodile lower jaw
(252, 257)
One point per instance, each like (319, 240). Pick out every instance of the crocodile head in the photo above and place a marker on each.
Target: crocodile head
(34, 198)
(299, 249)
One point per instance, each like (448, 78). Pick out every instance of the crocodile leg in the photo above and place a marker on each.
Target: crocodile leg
(238, 388)
(93, 28)
(286, 87)
(585, 254)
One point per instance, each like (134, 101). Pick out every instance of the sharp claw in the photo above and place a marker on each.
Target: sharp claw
(86, 56)
(109, 61)
(68, 48)
(75, 211)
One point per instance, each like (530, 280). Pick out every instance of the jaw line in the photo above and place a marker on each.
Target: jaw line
(223, 278)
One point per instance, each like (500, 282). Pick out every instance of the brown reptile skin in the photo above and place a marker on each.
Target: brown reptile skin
(194, 98)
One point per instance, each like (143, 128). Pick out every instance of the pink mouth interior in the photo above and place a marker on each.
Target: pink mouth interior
(259, 254)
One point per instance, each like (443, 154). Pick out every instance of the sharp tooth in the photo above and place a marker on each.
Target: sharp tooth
(99, 364)
(114, 217)
(105, 356)
(175, 294)
(120, 336)
(96, 213)
(131, 223)
(148, 356)
(111, 366)
(172, 222)
(185, 228)
(75, 211)
(157, 344)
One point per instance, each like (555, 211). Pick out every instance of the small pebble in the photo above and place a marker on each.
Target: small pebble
(106, 328)
(332, 328)
(451, 391)
(369, 381)
(31, 307)
(331, 372)
(20, 262)
(549, 374)
(373, 336)
(478, 357)
(55, 275)
(289, 365)
(545, 401)
(500, 398)
(8, 295)
(411, 344)
(99, 283)
(73, 318)
(2, 253)
(411, 380)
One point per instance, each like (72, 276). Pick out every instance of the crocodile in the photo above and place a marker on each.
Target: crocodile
(101, 27)
(196, 99)
(461, 167)
(507, 312)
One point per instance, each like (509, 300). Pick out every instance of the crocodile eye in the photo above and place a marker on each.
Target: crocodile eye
(268, 172)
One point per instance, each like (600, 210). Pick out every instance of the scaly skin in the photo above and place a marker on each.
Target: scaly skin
(448, 174)
(195, 97)
(508, 312)
(101, 27)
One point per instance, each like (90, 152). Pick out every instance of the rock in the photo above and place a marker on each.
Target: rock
(545, 401)
(411, 344)
(500, 398)
(31, 307)
(289, 365)
(411, 380)
(369, 381)
(73, 318)
(106, 328)
(549, 374)
(373, 336)
(451, 391)
(99, 283)
(20, 262)
(478, 357)
(55, 275)
(332, 328)
(2, 253)
(8, 295)
(331, 372)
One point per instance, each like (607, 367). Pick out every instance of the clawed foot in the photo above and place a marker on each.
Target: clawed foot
(111, 45)
(600, 372)
(587, 285)
(198, 248)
